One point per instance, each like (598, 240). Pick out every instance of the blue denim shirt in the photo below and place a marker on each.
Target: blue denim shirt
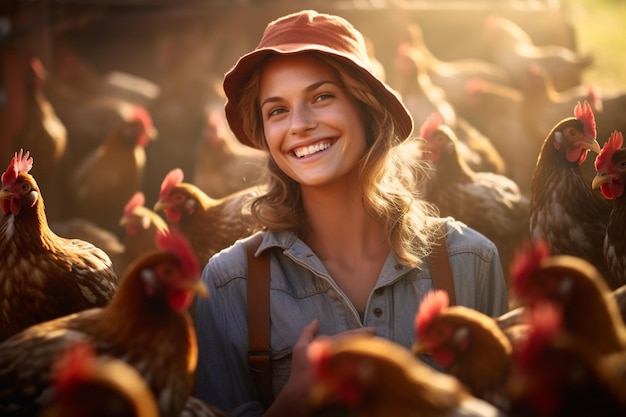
(301, 290)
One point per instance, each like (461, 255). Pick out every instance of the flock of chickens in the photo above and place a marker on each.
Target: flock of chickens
(96, 287)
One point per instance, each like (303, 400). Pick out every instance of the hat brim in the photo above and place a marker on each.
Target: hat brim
(239, 75)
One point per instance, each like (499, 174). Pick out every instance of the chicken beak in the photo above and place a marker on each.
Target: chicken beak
(152, 133)
(160, 206)
(196, 287)
(5, 193)
(600, 179)
(592, 145)
(420, 347)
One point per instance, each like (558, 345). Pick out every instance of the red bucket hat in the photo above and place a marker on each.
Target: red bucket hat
(310, 31)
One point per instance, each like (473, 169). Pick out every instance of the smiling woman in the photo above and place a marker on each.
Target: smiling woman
(346, 234)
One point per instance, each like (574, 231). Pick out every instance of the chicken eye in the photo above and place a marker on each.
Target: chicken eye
(168, 270)
(178, 198)
(441, 332)
(570, 131)
(25, 187)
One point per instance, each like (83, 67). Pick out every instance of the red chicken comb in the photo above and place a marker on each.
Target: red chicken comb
(171, 180)
(433, 303)
(615, 142)
(137, 200)
(432, 122)
(526, 262)
(584, 113)
(21, 163)
(142, 115)
(174, 242)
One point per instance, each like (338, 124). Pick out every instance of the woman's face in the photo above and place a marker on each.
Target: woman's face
(313, 127)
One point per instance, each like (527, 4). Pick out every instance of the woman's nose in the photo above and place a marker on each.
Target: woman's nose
(302, 119)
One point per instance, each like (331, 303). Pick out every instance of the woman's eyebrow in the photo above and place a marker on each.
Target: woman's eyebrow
(308, 89)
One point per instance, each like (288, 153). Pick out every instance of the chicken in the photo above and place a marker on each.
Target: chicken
(496, 111)
(374, 377)
(223, 165)
(210, 225)
(43, 275)
(32, 123)
(111, 174)
(490, 203)
(141, 226)
(422, 97)
(146, 324)
(512, 49)
(86, 385)
(570, 283)
(556, 375)
(452, 75)
(86, 101)
(467, 344)
(564, 209)
(611, 174)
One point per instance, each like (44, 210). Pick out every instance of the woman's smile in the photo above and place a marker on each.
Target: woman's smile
(305, 151)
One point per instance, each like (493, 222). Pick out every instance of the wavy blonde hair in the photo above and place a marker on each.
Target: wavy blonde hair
(389, 181)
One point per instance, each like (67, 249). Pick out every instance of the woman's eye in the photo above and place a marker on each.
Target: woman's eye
(323, 96)
(275, 112)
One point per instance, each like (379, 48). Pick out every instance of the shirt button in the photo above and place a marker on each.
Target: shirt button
(398, 267)
(378, 312)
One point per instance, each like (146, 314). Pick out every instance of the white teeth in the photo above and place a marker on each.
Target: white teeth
(309, 150)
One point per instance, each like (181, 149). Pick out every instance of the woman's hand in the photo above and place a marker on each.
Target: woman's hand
(293, 400)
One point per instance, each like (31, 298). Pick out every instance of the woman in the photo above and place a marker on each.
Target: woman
(348, 237)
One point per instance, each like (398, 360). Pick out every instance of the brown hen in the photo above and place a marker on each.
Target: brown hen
(109, 176)
(43, 275)
(556, 374)
(492, 204)
(467, 344)
(210, 224)
(146, 324)
(375, 377)
(86, 385)
(576, 287)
